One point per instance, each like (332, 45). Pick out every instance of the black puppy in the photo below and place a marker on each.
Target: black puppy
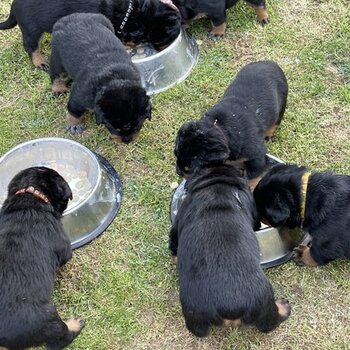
(216, 11)
(105, 79)
(217, 252)
(318, 202)
(33, 245)
(134, 20)
(236, 127)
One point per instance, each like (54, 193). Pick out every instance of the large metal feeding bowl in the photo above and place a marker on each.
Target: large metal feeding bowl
(276, 244)
(94, 182)
(170, 66)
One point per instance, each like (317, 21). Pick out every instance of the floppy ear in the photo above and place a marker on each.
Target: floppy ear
(278, 215)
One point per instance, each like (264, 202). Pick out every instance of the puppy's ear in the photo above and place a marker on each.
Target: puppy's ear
(277, 217)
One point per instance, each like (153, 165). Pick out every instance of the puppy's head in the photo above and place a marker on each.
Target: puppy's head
(123, 111)
(197, 146)
(277, 196)
(155, 21)
(47, 181)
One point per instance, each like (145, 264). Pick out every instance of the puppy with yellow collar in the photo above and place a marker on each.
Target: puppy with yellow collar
(318, 202)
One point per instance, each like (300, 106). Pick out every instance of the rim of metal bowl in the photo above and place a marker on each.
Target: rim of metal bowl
(168, 48)
(59, 139)
(112, 214)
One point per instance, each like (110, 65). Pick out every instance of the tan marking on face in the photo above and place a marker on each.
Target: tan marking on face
(131, 44)
(283, 308)
(271, 131)
(75, 324)
(38, 60)
(219, 30)
(232, 323)
(303, 254)
(59, 85)
(261, 14)
(73, 120)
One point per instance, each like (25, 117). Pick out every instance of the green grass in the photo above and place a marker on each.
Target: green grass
(124, 284)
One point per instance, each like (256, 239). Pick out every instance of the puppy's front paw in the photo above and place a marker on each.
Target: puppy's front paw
(284, 308)
(302, 256)
(76, 129)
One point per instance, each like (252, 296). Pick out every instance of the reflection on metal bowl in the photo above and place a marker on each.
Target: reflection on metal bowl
(95, 184)
(170, 66)
(276, 244)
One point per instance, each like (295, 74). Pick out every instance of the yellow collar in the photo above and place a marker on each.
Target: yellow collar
(304, 183)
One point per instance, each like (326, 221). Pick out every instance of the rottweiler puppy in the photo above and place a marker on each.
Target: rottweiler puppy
(318, 202)
(135, 21)
(215, 10)
(218, 262)
(33, 245)
(236, 127)
(104, 78)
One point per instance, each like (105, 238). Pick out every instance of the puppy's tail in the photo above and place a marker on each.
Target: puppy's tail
(10, 22)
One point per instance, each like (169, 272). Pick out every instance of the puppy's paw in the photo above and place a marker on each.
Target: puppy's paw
(302, 256)
(76, 129)
(263, 21)
(44, 67)
(284, 308)
(215, 37)
(75, 324)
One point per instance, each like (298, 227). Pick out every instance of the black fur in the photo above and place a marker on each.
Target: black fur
(105, 79)
(218, 254)
(33, 245)
(214, 9)
(327, 216)
(251, 105)
(150, 20)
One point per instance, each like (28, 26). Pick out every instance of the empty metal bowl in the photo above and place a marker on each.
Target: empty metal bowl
(276, 244)
(94, 182)
(170, 66)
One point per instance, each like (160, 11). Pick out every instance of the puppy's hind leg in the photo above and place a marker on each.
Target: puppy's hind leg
(273, 314)
(31, 43)
(60, 334)
(57, 73)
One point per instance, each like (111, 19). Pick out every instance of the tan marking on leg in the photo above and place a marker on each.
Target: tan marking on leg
(73, 120)
(116, 138)
(261, 14)
(303, 256)
(283, 307)
(59, 85)
(232, 323)
(75, 324)
(38, 60)
(219, 30)
(271, 131)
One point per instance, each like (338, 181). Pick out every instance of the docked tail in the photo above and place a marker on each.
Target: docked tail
(9, 23)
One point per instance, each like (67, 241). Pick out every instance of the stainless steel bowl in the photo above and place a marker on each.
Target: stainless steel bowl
(95, 202)
(170, 66)
(276, 244)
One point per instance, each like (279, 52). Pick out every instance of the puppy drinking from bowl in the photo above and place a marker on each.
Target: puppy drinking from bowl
(235, 129)
(218, 262)
(104, 78)
(33, 245)
(318, 202)
(154, 21)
